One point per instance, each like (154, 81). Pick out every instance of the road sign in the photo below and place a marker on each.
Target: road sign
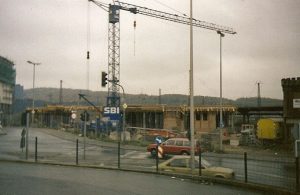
(296, 103)
(73, 116)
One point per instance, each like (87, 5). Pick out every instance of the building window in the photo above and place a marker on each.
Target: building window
(204, 116)
(201, 116)
(198, 116)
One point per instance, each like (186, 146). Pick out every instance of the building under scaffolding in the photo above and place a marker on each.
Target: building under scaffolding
(138, 116)
(7, 83)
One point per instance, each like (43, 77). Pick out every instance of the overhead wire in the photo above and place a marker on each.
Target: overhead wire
(103, 6)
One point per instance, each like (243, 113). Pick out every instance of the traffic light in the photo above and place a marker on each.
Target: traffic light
(82, 116)
(87, 116)
(104, 79)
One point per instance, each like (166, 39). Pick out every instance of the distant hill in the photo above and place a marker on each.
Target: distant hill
(70, 97)
(252, 102)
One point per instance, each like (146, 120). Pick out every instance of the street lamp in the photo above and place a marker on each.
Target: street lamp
(124, 111)
(221, 98)
(124, 119)
(192, 125)
(33, 82)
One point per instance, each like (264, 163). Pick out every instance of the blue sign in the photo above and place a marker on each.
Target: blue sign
(112, 112)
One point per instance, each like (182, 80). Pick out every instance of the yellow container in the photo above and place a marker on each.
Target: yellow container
(267, 129)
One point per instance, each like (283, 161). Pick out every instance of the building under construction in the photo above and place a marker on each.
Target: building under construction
(7, 83)
(138, 116)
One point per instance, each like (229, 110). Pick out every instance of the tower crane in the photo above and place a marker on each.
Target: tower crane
(113, 98)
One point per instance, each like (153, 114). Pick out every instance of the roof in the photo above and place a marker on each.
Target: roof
(140, 108)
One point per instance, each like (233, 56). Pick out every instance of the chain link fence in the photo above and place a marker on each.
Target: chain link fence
(61, 147)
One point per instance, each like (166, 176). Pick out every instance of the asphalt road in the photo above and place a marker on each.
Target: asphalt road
(58, 146)
(31, 179)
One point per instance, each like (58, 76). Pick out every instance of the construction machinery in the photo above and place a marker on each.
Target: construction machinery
(247, 134)
(113, 98)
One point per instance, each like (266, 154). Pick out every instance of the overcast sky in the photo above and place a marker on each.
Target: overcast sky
(265, 49)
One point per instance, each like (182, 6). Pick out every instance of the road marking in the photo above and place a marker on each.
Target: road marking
(143, 155)
(128, 153)
(135, 155)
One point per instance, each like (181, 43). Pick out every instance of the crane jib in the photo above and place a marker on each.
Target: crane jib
(114, 16)
(173, 17)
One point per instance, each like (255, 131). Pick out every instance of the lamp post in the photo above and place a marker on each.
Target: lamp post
(33, 82)
(124, 120)
(221, 98)
(124, 110)
(192, 90)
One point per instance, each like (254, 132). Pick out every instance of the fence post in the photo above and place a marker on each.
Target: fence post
(36, 140)
(297, 174)
(200, 164)
(157, 158)
(118, 154)
(245, 166)
(76, 151)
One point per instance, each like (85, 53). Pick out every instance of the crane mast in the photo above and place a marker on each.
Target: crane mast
(113, 98)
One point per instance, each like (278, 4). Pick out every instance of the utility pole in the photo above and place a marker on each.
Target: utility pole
(221, 94)
(60, 93)
(192, 90)
(159, 97)
(258, 95)
(258, 99)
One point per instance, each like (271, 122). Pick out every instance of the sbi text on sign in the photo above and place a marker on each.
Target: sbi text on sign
(111, 110)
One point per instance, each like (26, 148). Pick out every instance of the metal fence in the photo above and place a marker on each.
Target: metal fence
(281, 171)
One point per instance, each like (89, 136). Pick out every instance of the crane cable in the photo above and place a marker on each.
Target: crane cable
(134, 26)
(88, 32)
(169, 7)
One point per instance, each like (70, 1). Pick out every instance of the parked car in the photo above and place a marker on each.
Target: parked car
(182, 164)
(175, 146)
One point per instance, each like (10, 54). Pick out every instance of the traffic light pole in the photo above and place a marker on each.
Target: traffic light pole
(84, 135)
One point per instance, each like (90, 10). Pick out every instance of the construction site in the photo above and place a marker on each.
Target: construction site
(228, 123)
(184, 120)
